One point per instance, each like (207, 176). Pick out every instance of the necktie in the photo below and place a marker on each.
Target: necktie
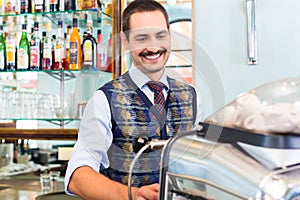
(159, 98)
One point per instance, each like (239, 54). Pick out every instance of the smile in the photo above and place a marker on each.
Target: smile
(149, 55)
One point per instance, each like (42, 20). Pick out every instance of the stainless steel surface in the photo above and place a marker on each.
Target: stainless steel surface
(251, 31)
(198, 167)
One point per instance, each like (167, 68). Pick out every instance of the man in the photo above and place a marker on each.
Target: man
(126, 109)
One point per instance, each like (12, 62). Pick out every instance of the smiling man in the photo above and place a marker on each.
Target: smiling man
(142, 103)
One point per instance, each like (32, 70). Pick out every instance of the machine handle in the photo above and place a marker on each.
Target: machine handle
(251, 32)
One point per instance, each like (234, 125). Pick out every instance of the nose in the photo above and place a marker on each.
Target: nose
(153, 44)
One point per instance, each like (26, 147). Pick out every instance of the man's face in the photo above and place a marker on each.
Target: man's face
(149, 42)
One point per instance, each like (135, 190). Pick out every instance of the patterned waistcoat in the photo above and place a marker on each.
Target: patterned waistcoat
(133, 116)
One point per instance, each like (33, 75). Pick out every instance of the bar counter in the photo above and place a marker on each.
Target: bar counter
(27, 187)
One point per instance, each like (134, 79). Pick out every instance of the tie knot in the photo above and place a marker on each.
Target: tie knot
(155, 86)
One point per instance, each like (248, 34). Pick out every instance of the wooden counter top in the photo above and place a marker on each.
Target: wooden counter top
(41, 134)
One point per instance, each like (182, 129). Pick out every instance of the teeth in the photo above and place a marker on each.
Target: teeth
(154, 56)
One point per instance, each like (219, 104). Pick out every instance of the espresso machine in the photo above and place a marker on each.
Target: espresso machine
(250, 149)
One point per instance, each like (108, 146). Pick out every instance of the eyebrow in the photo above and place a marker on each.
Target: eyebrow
(145, 35)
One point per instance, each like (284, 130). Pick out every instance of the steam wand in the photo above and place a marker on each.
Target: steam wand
(154, 144)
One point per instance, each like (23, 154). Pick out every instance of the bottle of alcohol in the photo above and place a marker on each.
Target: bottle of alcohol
(61, 4)
(53, 5)
(89, 47)
(101, 52)
(69, 4)
(2, 50)
(38, 5)
(2, 7)
(24, 6)
(23, 50)
(10, 6)
(109, 55)
(67, 43)
(75, 48)
(59, 49)
(35, 49)
(47, 48)
(88, 4)
(11, 48)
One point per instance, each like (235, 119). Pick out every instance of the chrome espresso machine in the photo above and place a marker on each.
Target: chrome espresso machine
(250, 149)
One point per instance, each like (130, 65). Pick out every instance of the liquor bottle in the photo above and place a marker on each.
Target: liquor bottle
(67, 43)
(75, 47)
(59, 49)
(11, 48)
(2, 7)
(35, 49)
(66, 63)
(101, 52)
(10, 6)
(23, 50)
(89, 47)
(2, 50)
(53, 5)
(38, 5)
(47, 49)
(61, 4)
(69, 5)
(87, 4)
(109, 55)
(24, 6)
(78, 4)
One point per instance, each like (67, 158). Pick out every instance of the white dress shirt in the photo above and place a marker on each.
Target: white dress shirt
(95, 135)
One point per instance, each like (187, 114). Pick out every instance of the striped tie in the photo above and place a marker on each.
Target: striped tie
(159, 98)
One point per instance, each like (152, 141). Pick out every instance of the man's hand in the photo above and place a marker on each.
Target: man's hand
(149, 192)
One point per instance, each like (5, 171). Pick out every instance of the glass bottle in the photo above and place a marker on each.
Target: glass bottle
(38, 5)
(101, 52)
(109, 55)
(10, 6)
(35, 49)
(2, 50)
(24, 6)
(53, 5)
(23, 50)
(2, 7)
(67, 43)
(59, 49)
(47, 49)
(11, 48)
(75, 48)
(89, 47)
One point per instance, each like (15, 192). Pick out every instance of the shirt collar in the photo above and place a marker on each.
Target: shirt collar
(140, 79)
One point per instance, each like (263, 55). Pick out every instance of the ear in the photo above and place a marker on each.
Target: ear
(124, 40)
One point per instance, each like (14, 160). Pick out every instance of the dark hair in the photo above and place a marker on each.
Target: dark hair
(141, 6)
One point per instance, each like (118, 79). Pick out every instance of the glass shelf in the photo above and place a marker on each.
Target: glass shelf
(94, 10)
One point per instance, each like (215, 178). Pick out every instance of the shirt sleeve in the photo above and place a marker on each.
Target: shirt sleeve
(94, 137)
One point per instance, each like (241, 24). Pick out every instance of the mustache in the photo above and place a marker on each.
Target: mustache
(150, 53)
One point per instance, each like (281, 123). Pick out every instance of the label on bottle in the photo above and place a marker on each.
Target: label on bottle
(58, 53)
(47, 51)
(88, 52)
(22, 59)
(34, 56)
(53, 1)
(10, 51)
(2, 60)
(73, 53)
(10, 7)
(24, 6)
